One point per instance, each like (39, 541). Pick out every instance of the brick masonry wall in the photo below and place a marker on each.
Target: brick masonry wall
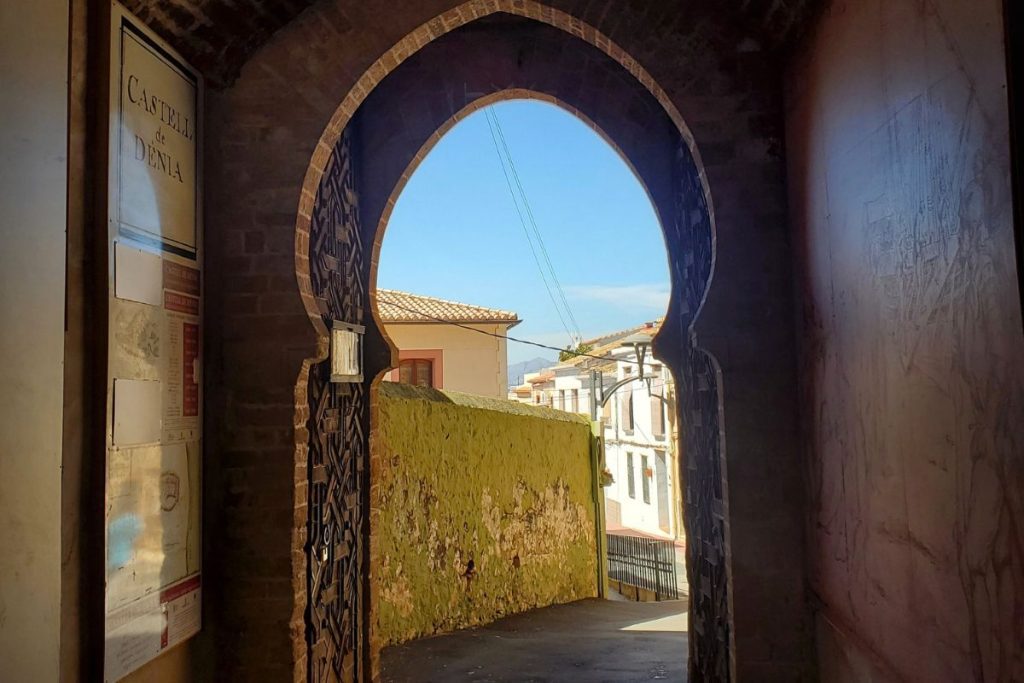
(263, 132)
(219, 36)
(500, 58)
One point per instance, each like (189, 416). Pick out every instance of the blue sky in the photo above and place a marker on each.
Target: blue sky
(455, 232)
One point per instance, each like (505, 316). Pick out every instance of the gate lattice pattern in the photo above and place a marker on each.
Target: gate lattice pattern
(338, 443)
(337, 556)
(706, 502)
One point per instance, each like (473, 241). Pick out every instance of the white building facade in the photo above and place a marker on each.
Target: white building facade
(641, 451)
(640, 432)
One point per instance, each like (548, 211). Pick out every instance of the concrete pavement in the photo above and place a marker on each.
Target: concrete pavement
(590, 641)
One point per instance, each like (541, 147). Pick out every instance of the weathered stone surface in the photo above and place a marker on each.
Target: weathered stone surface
(460, 479)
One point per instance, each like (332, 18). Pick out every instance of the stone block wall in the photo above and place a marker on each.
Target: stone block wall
(480, 508)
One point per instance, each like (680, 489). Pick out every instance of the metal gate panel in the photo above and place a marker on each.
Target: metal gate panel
(336, 552)
(691, 251)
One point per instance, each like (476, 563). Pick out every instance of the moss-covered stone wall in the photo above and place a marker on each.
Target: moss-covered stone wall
(480, 508)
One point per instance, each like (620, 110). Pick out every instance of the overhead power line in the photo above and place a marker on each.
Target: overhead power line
(409, 309)
(529, 223)
(533, 222)
(522, 221)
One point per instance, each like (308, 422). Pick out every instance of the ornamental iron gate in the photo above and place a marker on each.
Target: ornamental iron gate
(691, 252)
(337, 556)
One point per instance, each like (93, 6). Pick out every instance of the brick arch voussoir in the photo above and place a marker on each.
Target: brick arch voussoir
(409, 45)
(427, 147)
(695, 216)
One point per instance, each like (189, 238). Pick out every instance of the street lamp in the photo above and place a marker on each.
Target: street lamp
(641, 344)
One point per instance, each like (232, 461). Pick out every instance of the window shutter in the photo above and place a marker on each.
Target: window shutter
(630, 475)
(626, 408)
(417, 371)
(657, 412)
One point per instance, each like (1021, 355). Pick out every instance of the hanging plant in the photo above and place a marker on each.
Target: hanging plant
(606, 477)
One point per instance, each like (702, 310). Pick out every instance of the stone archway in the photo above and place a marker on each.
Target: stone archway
(282, 110)
(349, 211)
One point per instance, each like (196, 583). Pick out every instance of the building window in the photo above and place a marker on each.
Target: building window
(645, 479)
(417, 371)
(574, 401)
(630, 476)
(561, 399)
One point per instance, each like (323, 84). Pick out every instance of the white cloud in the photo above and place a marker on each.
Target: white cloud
(629, 297)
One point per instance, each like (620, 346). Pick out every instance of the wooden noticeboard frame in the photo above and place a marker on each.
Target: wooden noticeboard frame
(153, 256)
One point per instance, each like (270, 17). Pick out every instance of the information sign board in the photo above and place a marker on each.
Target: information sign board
(154, 383)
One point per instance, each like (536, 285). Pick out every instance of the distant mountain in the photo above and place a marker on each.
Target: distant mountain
(517, 370)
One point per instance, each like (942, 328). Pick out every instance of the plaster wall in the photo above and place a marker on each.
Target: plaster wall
(912, 361)
(33, 193)
(631, 511)
(473, 363)
(458, 479)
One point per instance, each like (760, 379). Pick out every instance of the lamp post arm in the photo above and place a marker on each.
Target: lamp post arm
(607, 394)
(640, 348)
(660, 398)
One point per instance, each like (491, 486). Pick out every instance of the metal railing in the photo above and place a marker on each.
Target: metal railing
(645, 563)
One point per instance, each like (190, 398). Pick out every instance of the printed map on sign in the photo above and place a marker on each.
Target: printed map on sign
(153, 466)
(152, 520)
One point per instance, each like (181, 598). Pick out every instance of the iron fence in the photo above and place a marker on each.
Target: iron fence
(645, 563)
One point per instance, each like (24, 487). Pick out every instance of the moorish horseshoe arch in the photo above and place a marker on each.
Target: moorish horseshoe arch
(335, 268)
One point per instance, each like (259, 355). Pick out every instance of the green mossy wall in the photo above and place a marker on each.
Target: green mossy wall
(459, 478)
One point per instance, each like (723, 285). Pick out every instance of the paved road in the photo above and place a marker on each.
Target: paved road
(590, 641)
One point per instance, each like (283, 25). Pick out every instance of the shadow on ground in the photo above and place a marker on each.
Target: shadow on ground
(590, 641)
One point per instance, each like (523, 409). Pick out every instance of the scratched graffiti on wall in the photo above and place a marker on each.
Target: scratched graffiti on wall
(914, 381)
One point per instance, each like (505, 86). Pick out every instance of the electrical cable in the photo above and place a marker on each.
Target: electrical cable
(409, 309)
(536, 229)
(533, 221)
(522, 221)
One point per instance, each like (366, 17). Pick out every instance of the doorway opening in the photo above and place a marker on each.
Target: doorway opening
(366, 156)
(521, 264)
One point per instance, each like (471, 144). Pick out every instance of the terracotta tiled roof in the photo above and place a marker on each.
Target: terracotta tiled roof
(403, 307)
(604, 345)
(613, 337)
